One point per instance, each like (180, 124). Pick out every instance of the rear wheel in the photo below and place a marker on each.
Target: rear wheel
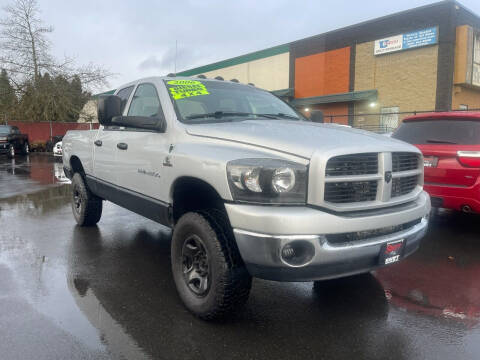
(11, 152)
(86, 207)
(25, 148)
(209, 273)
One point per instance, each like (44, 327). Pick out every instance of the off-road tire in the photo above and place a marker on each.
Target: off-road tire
(86, 207)
(11, 152)
(229, 280)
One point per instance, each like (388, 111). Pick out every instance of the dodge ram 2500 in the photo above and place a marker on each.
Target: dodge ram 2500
(249, 186)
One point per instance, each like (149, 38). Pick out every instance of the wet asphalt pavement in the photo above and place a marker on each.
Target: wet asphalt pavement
(106, 292)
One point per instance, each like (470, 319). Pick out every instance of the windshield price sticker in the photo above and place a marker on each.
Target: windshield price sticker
(181, 89)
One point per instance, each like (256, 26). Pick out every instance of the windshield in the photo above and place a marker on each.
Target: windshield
(440, 131)
(4, 130)
(215, 101)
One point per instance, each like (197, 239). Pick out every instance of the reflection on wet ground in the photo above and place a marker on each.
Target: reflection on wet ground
(107, 292)
(26, 174)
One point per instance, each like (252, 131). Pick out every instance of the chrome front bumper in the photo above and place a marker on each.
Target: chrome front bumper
(261, 250)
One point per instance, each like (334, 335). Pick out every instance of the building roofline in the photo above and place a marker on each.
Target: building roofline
(381, 18)
(256, 55)
(471, 12)
(279, 49)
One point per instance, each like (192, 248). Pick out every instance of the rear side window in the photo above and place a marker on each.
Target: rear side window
(444, 131)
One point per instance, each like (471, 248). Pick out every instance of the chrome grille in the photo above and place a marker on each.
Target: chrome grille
(404, 161)
(403, 185)
(350, 191)
(354, 164)
(368, 180)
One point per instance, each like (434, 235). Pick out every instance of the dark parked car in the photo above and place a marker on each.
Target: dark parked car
(12, 141)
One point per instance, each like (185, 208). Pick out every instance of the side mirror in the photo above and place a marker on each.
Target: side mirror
(108, 107)
(141, 122)
(316, 116)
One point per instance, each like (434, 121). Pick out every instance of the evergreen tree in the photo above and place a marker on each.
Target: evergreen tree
(53, 99)
(8, 99)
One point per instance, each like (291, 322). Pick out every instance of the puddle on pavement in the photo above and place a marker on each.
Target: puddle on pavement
(29, 173)
(42, 282)
(442, 279)
(36, 203)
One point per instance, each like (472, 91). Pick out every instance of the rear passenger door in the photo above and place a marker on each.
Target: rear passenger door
(105, 146)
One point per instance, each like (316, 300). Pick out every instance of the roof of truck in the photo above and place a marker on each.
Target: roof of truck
(473, 115)
(152, 78)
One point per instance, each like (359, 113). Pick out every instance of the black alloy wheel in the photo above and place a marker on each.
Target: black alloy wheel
(196, 265)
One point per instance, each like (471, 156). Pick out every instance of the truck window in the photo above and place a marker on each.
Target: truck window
(197, 97)
(439, 131)
(124, 94)
(145, 101)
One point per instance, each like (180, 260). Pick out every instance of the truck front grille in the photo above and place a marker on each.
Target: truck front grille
(404, 185)
(354, 164)
(342, 192)
(404, 161)
(358, 178)
(350, 191)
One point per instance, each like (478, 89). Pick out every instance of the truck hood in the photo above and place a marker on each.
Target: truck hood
(299, 138)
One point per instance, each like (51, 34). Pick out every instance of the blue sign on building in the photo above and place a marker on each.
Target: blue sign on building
(406, 41)
(420, 38)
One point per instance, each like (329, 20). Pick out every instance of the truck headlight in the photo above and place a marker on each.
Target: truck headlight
(267, 181)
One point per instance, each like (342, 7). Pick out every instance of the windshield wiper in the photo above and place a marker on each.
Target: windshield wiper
(435, 141)
(279, 115)
(217, 115)
(221, 114)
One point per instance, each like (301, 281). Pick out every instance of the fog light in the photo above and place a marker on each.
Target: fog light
(297, 253)
(288, 252)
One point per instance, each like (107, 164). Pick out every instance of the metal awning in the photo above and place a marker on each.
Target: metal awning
(284, 92)
(337, 98)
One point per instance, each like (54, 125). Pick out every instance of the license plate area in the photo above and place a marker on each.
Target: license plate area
(430, 161)
(391, 252)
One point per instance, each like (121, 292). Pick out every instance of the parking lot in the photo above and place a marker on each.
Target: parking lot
(107, 291)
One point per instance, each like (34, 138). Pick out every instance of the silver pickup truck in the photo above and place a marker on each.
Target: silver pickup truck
(249, 186)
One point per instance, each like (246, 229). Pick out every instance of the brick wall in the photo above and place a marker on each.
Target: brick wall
(466, 96)
(406, 79)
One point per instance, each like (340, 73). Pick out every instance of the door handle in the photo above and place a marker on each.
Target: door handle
(122, 146)
(98, 142)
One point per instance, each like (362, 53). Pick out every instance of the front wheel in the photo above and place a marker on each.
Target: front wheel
(86, 207)
(208, 271)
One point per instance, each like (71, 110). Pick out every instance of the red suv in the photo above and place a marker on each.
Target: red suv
(450, 143)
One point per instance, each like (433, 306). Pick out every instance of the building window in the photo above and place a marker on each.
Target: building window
(463, 107)
(389, 118)
(476, 60)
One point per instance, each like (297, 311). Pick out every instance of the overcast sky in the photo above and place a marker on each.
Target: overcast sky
(137, 38)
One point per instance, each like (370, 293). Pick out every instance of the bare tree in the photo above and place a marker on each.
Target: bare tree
(24, 46)
(25, 49)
